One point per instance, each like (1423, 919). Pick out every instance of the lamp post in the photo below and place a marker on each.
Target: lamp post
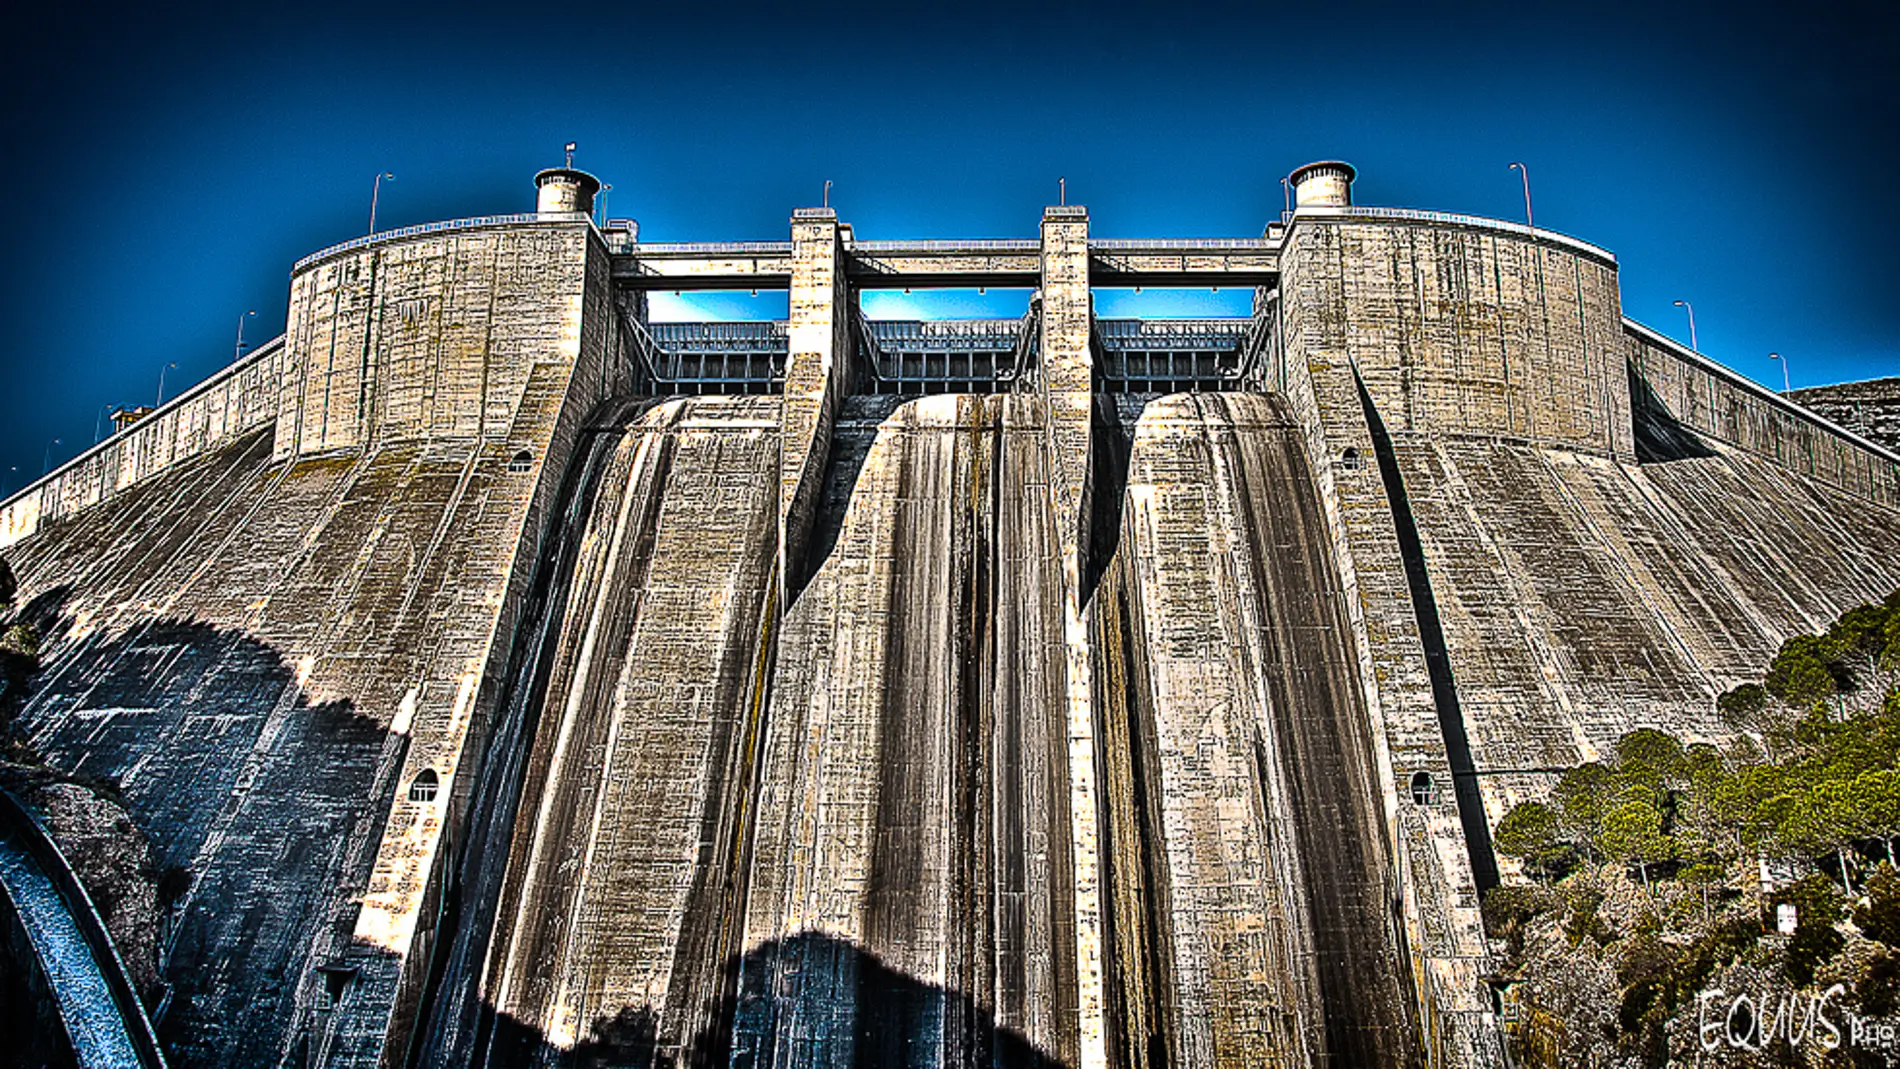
(1286, 196)
(1690, 308)
(161, 383)
(99, 425)
(1062, 192)
(1525, 173)
(605, 188)
(827, 201)
(1783, 361)
(46, 460)
(375, 193)
(238, 353)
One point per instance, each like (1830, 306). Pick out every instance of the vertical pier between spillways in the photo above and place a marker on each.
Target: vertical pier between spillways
(842, 833)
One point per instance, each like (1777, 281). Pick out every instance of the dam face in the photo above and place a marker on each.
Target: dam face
(522, 682)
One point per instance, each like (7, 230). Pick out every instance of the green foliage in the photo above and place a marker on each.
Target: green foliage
(21, 642)
(1857, 643)
(1879, 916)
(1650, 758)
(1533, 834)
(1816, 940)
(1583, 919)
(1507, 909)
(1803, 673)
(1632, 833)
(1877, 988)
(1742, 707)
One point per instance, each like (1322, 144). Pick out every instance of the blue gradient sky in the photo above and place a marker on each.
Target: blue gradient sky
(168, 168)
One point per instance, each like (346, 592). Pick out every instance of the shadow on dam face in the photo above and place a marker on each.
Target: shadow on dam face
(233, 776)
(893, 1020)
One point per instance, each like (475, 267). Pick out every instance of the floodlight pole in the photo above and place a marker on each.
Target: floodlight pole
(1525, 173)
(375, 192)
(238, 352)
(1690, 308)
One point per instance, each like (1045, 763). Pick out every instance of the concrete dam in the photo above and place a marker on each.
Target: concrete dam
(521, 681)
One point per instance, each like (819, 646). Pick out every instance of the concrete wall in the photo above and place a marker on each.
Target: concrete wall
(1870, 408)
(1460, 328)
(1582, 598)
(219, 410)
(267, 649)
(1718, 405)
(430, 338)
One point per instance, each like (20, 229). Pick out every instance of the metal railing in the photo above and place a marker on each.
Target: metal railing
(1448, 219)
(1261, 245)
(702, 248)
(476, 222)
(973, 245)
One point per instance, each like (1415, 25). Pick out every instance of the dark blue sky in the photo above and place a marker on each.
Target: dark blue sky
(168, 168)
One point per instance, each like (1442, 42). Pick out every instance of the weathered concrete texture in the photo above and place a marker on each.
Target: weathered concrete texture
(1870, 409)
(1682, 390)
(1412, 728)
(915, 786)
(258, 652)
(1241, 767)
(817, 377)
(1582, 598)
(432, 338)
(1459, 330)
(231, 403)
(623, 892)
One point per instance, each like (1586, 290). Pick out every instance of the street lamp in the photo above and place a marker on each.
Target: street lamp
(1286, 195)
(1690, 308)
(375, 192)
(605, 188)
(238, 353)
(161, 383)
(1062, 192)
(99, 425)
(1783, 361)
(46, 461)
(1525, 173)
(827, 200)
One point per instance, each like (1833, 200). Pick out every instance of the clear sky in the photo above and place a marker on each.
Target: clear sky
(168, 167)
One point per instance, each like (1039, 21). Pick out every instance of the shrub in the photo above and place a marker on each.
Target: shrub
(1879, 917)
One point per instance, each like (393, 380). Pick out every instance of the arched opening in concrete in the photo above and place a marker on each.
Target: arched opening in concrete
(1424, 789)
(521, 461)
(1351, 460)
(424, 786)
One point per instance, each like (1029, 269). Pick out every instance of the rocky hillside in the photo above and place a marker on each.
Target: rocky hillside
(1870, 409)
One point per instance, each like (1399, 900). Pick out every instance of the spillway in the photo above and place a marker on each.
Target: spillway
(840, 833)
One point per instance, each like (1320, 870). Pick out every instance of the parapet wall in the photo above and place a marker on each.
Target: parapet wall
(1463, 326)
(234, 401)
(433, 337)
(1713, 402)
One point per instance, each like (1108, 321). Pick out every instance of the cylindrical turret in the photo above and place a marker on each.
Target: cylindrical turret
(565, 190)
(1327, 183)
